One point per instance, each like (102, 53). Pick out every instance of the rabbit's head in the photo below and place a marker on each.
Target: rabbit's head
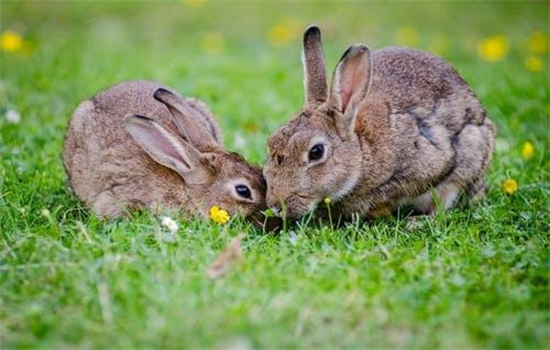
(211, 176)
(317, 154)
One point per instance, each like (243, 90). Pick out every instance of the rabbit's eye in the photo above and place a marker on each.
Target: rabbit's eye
(316, 152)
(243, 191)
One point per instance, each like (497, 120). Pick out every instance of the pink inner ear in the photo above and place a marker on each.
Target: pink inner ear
(154, 142)
(168, 148)
(346, 94)
(352, 76)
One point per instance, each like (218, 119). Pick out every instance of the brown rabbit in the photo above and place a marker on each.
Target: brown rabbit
(395, 125)
(138, 144)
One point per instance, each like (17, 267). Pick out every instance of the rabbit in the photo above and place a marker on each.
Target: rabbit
(397, 127)
(140, 145)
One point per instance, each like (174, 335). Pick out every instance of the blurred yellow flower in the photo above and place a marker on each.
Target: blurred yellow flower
(194, 3)
(493, 48)
(219, 215)
(510, 186)
(11, 41)
(528, 150)
(533, 63)
(327, 200)
(279, 35)
(284, 32)
(251, 127)
(407, 36)
(538, 42)
(212, 43)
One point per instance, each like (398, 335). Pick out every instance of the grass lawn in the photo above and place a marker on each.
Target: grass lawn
(473, 278)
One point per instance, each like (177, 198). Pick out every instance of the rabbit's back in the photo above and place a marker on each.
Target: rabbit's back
(424, 85)
(107, 169)
(136, 97)
(436, 127)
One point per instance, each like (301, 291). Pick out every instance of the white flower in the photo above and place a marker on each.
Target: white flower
(13, 116)
(502, 145)
(239, 343)
(240, 141)
(170, 224)
(293, 238)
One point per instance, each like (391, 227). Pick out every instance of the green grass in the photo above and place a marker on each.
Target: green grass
(472, 278)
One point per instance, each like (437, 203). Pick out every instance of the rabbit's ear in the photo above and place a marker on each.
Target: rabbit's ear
(167, 149)
(185, 118)
(351, 81)
(313, 59)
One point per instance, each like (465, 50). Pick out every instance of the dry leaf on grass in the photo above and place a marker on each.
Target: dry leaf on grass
(232, 253)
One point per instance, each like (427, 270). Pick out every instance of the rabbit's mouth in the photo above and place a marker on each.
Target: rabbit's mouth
(295, 206)
(266, 223)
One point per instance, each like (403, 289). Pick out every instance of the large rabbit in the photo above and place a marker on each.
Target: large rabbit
(138, 144)
(398, 126)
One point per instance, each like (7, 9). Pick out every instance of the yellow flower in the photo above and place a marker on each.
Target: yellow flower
(11, 41)
(493, 48)
(212, 42)
(219, 215)
(538, 42)
(251, 127)
(194, 3)
(528, 150)
(510, 186)
(279, 35)
(533, 63)
(327, 200)
(407, 36)
(284, 32)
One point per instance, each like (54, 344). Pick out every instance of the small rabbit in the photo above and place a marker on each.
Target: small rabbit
(397, 127)
(138, 144)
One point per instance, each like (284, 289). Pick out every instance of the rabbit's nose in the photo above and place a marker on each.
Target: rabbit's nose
(275, 204)
(275, 200)
(272, 200)
(266, 223)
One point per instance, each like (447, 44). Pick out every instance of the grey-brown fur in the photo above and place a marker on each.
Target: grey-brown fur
(315, 75)
(112, 173)
(416, 126)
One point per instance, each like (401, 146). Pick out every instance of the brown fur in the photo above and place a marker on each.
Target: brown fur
(111, 173)
(418, 127)
(314, 65)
